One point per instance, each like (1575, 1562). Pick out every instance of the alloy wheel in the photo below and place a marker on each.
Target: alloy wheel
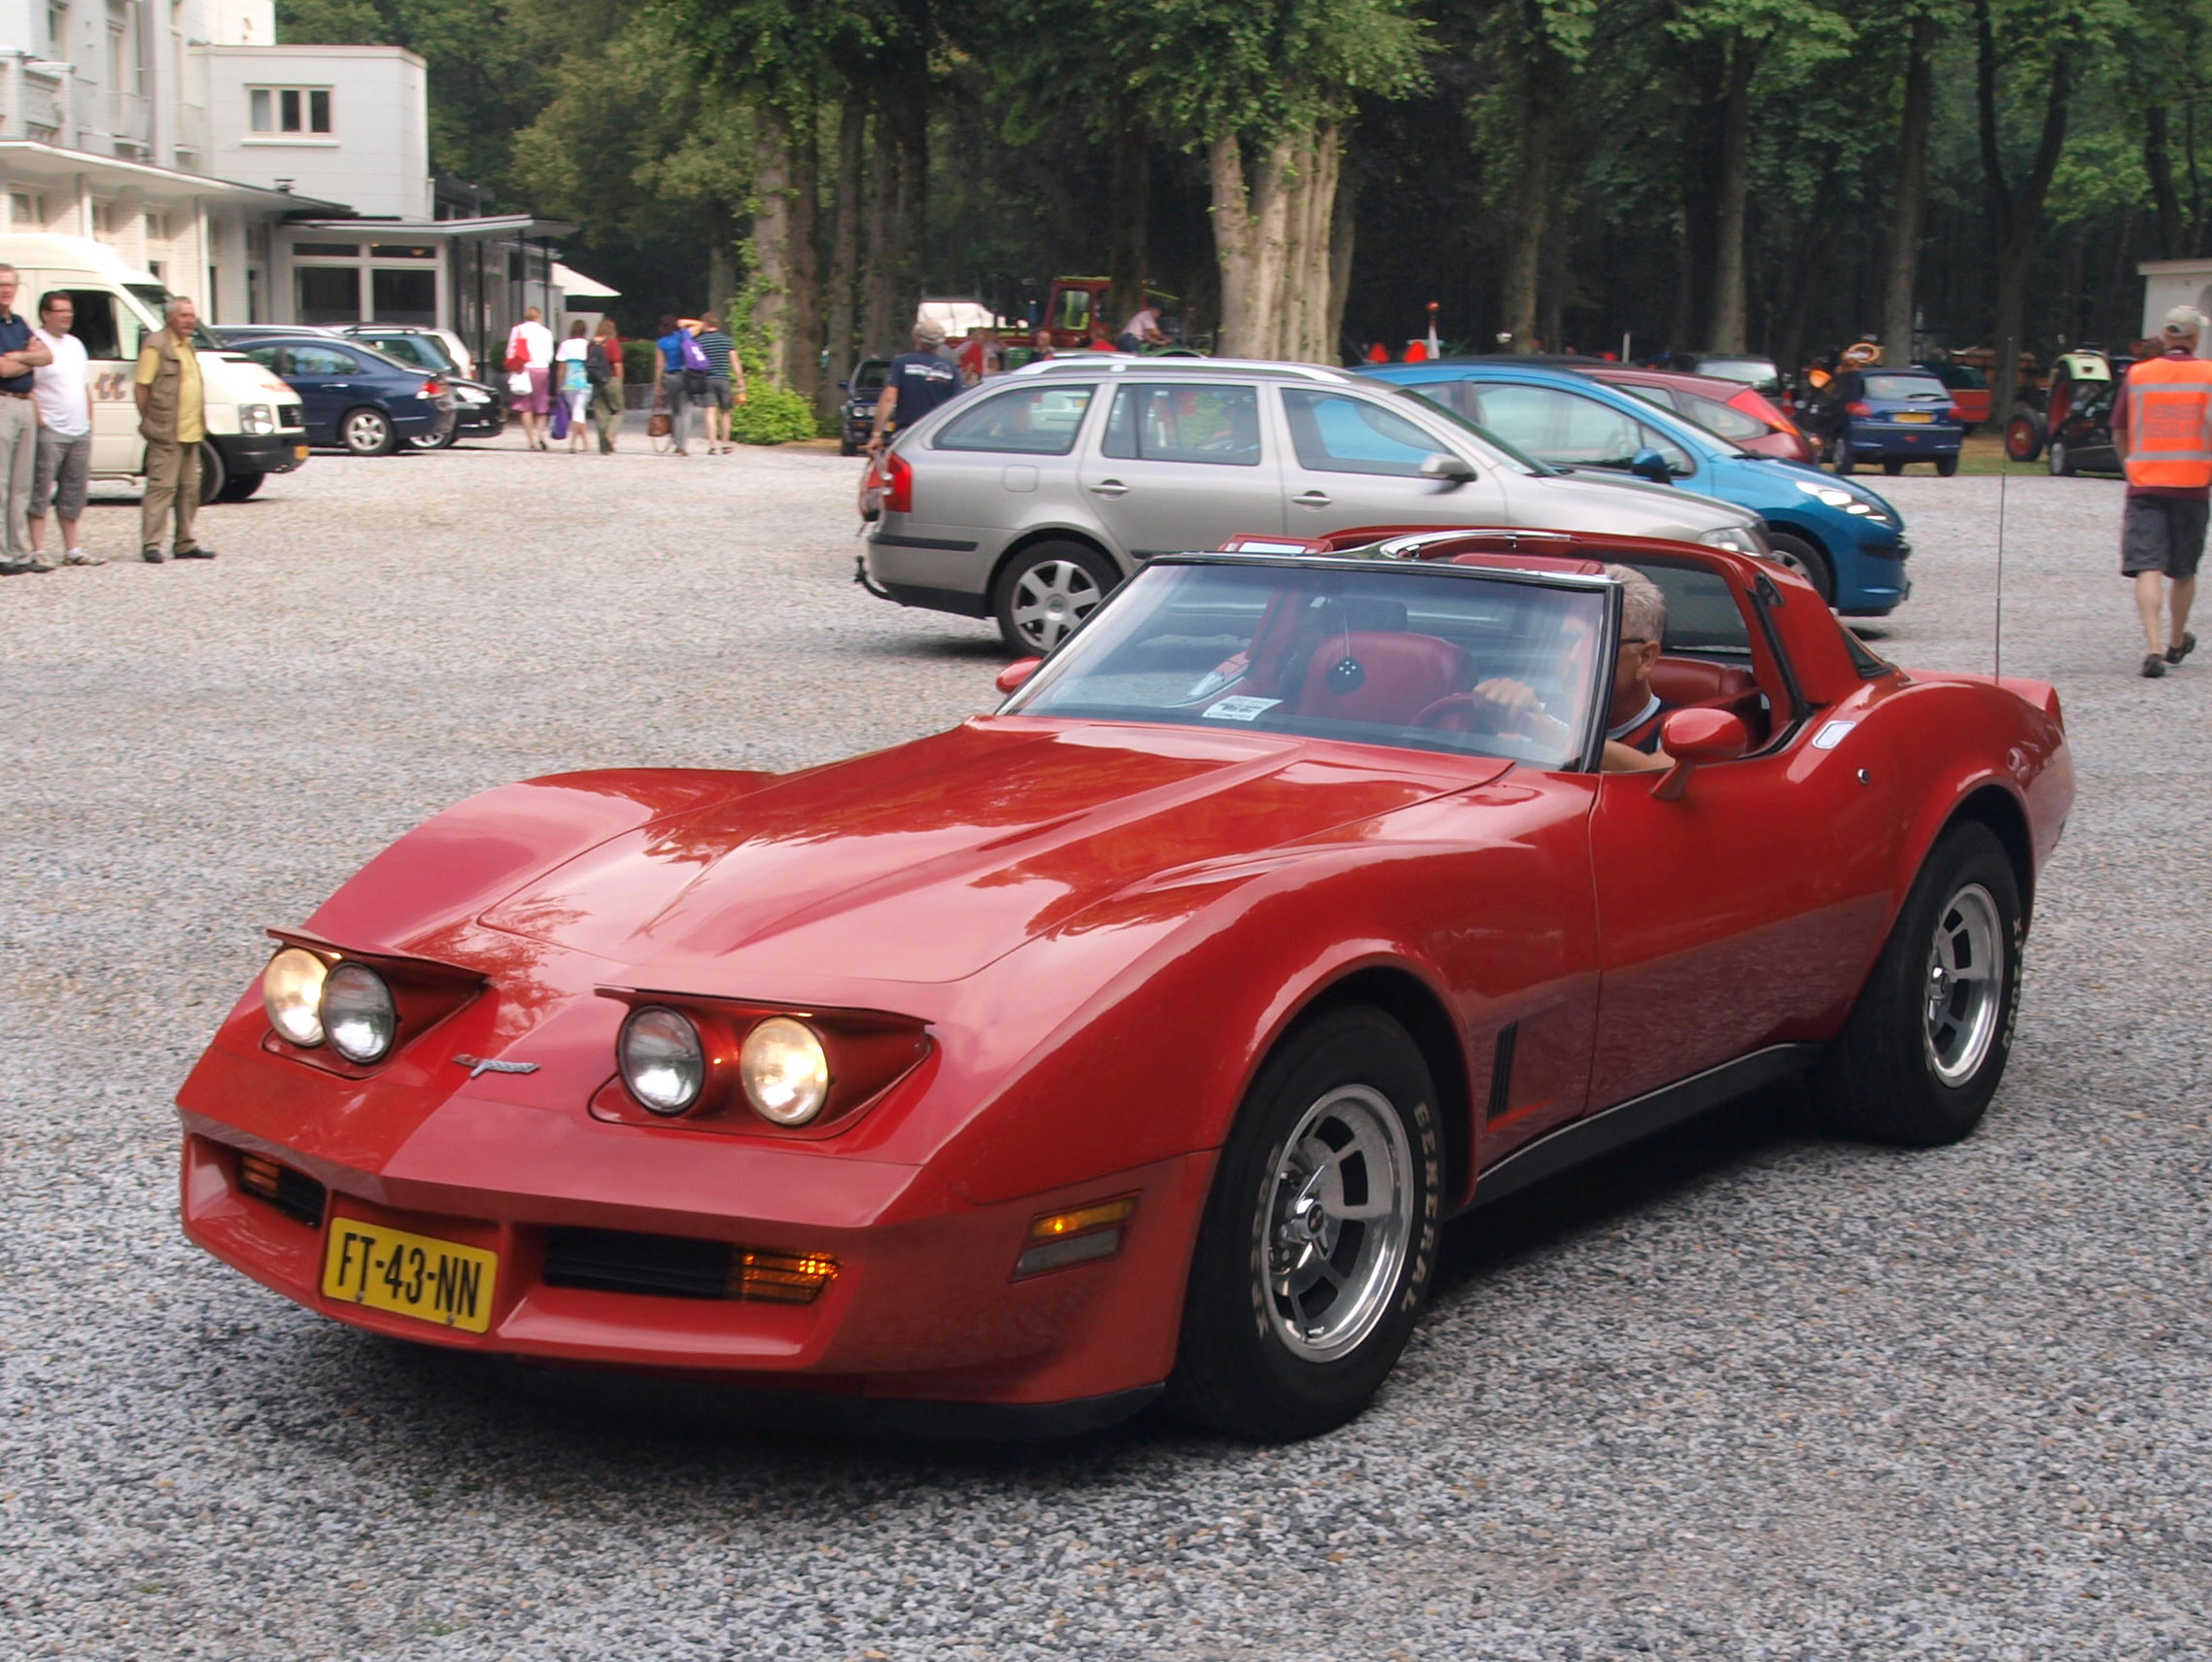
(1051, 599)
(1965, 985)
(1338, 1220)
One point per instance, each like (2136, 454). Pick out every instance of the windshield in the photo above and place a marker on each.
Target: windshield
(1383, 656)
(1757, 373)
(1906, 386)
(1431, 406)
(156, 299)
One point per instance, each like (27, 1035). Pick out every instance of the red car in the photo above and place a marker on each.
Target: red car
(1137, 1038)
(1730, 408)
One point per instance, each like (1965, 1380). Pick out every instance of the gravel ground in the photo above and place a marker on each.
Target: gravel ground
(1742, 1395)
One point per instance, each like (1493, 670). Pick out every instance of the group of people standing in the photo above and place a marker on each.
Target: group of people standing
(46, 434)
(561, 389)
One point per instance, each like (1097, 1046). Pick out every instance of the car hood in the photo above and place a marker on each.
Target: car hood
(926, 862)
(1625, 506)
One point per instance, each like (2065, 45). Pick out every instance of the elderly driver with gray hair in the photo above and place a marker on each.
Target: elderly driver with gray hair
(1636, 715)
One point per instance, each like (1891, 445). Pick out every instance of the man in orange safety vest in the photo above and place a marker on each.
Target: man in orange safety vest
(2162, 425)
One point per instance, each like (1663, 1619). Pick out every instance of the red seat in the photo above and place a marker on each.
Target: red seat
(1694, 681)
(1398, 676)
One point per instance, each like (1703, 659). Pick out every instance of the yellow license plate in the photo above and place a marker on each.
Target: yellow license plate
(299, 451)
(410, 1276)
(1914, 415)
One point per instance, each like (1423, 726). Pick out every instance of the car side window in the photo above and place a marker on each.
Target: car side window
(1184, 424)
(1678, 460)
(1724, 419)
(1335, 432)
(1562, 427)
(95, 324)
(405, 350)
(322, 361)
(1035, 420)
(269, 358)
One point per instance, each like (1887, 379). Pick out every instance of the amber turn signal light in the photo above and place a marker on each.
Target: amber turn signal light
(1057, 1239)
(780, 1277)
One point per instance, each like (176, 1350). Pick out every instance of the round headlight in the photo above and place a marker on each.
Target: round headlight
(358, 1013)
(662, 1063)
(292, 992)
(785, 1070)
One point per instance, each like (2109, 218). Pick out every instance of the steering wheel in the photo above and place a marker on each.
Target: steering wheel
(1458, 712)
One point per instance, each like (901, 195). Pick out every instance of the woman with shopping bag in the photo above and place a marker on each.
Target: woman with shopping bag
(529, 374)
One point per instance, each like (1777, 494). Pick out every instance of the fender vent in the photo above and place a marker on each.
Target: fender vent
(680, 1267)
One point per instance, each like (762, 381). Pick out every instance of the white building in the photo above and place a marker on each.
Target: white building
(278, 184)
(2172, 283)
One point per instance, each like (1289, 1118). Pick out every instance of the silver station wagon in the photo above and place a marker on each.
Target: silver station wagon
(1032, 496)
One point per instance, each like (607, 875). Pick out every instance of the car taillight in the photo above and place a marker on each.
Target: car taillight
(1858, 408)
(1957, 415)
(434, 388)
(899, 498)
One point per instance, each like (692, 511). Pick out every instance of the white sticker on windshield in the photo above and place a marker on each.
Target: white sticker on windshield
(1239, 708)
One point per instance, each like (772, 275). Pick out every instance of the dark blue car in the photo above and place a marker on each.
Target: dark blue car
(1843, 539)
(1892, 416)
(352, 396)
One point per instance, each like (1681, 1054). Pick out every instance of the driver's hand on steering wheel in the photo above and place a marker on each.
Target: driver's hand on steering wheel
(1516, 708)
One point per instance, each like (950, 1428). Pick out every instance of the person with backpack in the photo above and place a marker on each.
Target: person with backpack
(603, 367)
(679, 377)
(576, 387)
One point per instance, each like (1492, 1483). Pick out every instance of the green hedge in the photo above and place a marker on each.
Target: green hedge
(772, 415)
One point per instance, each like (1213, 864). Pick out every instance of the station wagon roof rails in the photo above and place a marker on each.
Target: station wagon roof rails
(1121, 363)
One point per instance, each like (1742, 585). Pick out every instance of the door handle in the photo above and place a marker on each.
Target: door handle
(1109, 488)
(1313, 499)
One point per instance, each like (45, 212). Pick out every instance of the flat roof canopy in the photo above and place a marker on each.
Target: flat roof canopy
(492, 227)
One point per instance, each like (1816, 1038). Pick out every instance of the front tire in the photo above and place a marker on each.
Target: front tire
(239, 486)
(366, 432)
(1926, 1044)
(2024, 438)
(1045, 590)
(214, 476)
(1320, 1235)
(1807, 561)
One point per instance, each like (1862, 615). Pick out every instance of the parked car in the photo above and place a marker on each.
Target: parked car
(479, 408)
(1030, 497)
(1135, 1041)
(1749, 368)
(355, 398)
(861, 388)
(1735, 410)
(1969, 391)
(1894, 417)
(450, 348)
(1845, 540)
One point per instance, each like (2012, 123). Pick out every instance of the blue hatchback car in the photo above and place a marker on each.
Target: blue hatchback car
(352, 396)
(1892, 416)
(1844, 538)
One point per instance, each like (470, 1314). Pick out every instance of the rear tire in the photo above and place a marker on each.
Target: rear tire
(366, 432)
(2024, 438)
(1045, 590)
(1947, 465)
(1893, 469)
(1320, 1235)
(444, 441)
(1807, 561)
(1926, 1044)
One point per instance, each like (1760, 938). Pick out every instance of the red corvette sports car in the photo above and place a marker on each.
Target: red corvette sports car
(1136, 1039)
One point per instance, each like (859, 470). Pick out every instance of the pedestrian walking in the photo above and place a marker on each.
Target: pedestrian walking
(172, 418)
(62, 394)
(575, 387)
(725, 382)
(21, 353)
(679, 377)
(2162, 425)
(603, 365)
(915, 383)
(529, 375)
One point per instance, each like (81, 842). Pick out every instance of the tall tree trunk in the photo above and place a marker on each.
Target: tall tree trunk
(2158, 166)
(909, 219)
(1343, 220)
(845, 243)
(1131, 189)
(801, 366)
(1707, 69)
(1912, 191)
(881, 328)
(722, 264)
(771, 235)
(1725, 331)
(1319, 344)
(2019, 217)
(1232, 241)
(1270, 239)
(1528, 213)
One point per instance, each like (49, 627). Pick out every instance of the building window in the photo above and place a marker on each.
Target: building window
(328, 294)
(57, 29)
(295, 110)
(157, 227)
(103, 218)
(406, 297)
(26, 208)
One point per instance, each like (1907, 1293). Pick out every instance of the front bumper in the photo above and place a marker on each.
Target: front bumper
(278, 452)
(923, 1306)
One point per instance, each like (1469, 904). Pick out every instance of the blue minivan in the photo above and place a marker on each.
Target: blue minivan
(1840, 536)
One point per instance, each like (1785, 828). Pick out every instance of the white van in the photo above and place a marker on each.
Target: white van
(254, 423)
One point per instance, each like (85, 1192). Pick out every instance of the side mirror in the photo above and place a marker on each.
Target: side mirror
(1011, 678)
(1651, 465)
(1694, 737)
(1442, 464)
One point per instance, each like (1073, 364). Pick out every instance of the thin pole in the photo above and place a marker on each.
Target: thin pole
(1997, 645)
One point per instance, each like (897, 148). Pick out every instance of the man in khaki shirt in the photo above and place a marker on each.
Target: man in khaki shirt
(172, 420)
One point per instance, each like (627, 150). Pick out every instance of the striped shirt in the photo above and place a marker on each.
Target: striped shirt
(717, 346)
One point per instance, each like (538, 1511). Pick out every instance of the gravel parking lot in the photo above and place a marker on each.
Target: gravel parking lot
(1745, 1394)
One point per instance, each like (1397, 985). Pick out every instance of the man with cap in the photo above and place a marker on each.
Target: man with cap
(2162, 425)
(915, 383)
